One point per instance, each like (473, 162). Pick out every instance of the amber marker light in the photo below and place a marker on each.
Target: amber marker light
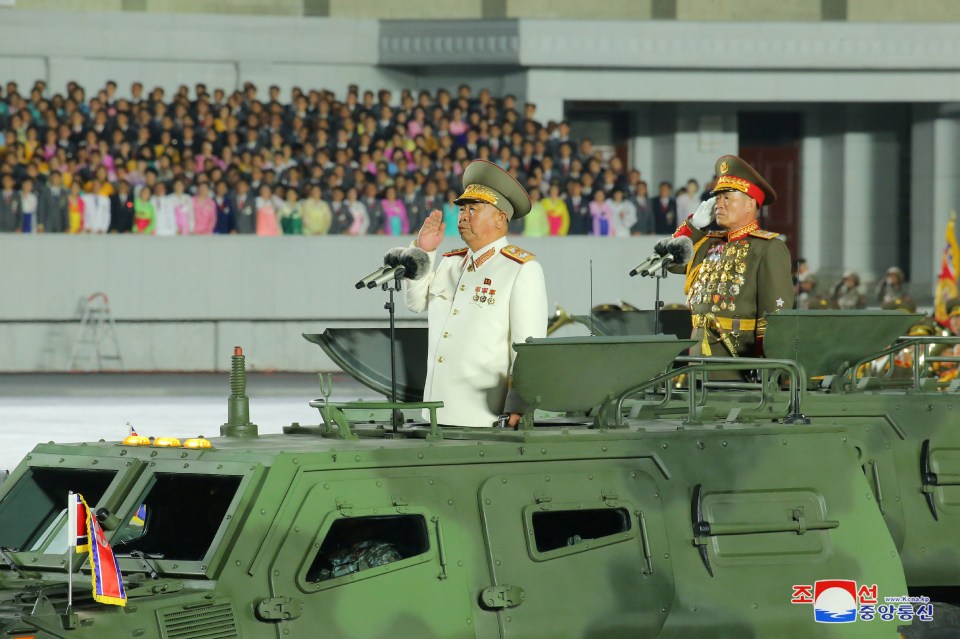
(136, 440)
(167, 442)
(197, 442)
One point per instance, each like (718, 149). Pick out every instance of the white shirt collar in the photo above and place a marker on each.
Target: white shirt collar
(496, 245)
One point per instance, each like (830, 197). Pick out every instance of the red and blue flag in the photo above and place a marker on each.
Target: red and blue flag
(107, 580)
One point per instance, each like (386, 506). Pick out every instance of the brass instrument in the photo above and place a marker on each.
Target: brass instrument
(605, 308)
(560, 318)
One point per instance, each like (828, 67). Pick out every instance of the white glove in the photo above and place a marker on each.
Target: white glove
(704, 214)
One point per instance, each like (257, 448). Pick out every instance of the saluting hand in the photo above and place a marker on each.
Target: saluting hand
(431, 234)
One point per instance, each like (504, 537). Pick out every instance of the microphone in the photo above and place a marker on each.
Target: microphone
(390, 259)
(659, 250)
(678, 250)
(389, 273)
(416, 262)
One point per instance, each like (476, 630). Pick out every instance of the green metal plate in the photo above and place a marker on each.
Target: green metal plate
(616, 322)
(578, 373)
(823, 342)
(364, 353)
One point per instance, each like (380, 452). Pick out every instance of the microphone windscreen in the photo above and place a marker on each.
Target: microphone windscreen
(682, 249)
(416, 262)
(661, 248)
(392, 257)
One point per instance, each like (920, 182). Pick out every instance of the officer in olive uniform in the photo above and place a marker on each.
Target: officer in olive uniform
(481, 300)
(739, 274)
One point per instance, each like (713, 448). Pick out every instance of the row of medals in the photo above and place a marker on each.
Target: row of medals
(721, 276)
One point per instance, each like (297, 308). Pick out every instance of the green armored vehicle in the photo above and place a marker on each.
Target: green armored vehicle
(623, 508)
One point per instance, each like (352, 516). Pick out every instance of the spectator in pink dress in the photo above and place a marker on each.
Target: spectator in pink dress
(204, 211)
(182, 209)
(602, 214)
(395, 213)
(267, 213)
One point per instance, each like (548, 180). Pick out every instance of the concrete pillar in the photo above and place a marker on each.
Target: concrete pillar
(663, 120)
(831, 202)
(934, 188)
(815, 218)
(641, 142)
(871, 191)
(704, 133)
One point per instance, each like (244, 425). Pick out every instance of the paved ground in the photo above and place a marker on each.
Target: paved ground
(84, 407)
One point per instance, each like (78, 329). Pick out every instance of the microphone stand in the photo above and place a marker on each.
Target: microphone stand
(396, 418)
(658, 304)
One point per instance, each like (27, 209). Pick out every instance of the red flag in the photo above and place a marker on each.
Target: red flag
(77, 525)
(107, 580)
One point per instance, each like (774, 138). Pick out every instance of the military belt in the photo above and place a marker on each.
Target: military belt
(726, 323)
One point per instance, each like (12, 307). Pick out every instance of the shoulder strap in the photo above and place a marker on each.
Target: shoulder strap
(764, 235)
(517, 254)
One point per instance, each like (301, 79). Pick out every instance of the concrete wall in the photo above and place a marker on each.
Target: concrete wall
(681, 10)
(749, 10)
(899, 11)
(258, 292)
(222, 51)
(580, 10)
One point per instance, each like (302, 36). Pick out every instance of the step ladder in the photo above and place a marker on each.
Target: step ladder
(96, 341)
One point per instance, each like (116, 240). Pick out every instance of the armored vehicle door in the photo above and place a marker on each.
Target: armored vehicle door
(359, 540)
(576, 552)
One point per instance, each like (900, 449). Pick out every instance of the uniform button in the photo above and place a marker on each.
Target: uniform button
(446, 334)
(462, 287)
(440, 359)
(456, 312)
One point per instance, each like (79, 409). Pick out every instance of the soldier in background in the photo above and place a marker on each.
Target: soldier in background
(739, 274)
(846, 292)
(807, 296)
(891, 286)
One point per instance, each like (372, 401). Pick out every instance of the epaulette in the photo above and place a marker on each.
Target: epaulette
(459, 251)
(517, 254)
(722, 234)
(766, 235)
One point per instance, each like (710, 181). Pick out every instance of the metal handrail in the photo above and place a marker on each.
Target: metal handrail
(332, 414)
(697, 365)
(914, 342)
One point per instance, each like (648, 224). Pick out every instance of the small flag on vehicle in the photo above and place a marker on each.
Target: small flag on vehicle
(105, 576)
(77, 523)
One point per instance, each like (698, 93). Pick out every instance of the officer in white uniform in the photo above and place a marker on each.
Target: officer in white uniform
(480, 300)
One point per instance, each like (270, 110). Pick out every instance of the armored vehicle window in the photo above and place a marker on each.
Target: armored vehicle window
(33, 505)
(359, 543)
(183, 513)
(564, 528)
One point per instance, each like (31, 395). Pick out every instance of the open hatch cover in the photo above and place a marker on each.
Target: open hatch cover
(578, 373)
(364, 354)
(824, 342)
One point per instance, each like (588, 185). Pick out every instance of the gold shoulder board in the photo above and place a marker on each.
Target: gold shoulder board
(766, 235)
(459, 251)
(722, 234)
(517, 254)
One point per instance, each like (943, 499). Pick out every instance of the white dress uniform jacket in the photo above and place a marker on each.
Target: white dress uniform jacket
(478, 304)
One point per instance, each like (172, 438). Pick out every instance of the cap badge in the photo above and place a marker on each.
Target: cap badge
(724, 167)
(481, 193)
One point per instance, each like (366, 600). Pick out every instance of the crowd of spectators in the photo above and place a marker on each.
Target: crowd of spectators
(161, 164)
